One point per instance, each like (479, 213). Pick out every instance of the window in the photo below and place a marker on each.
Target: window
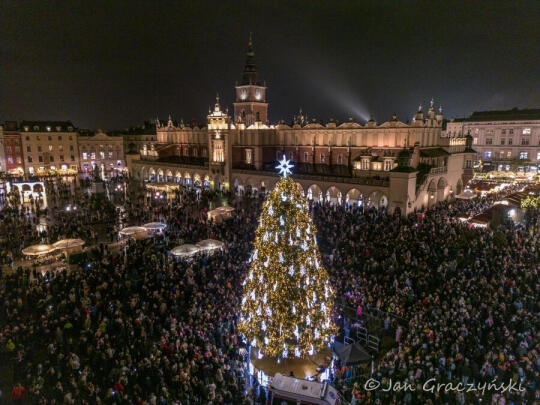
(365, 164)
(489, 141)
(84, 155)
(72, 158)
(526, 131)
(93, 155)
(306, 157)
(110, 155)
(249, 156)
(468, 164)
(26, 129)
(50, 138)
(322, 157)
(49, 129)
(476, 131)
(8, 149)
(475, 140)
(71, 147)
(31, 170)
(291, 156)
(510, 141)
(523, 155)
(61, 158)
(340, 159)
(102, 155)
(511, 131)
(61, 148)
(50, 147)
(501, 154)
(28, 149)
(51, 158)
(487, 154)
(388, 165)
(38, 137)
(59, 137)
(70, 137)
(503, 132)
(10, 160)
(58, 129)
(509, 154)
(29, 159)
(40, 158)
(19, 160)
(503, 140)
(524, 141)
(27, 138)
(538, 156)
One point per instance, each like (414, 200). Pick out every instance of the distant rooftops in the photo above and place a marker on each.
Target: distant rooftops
(46, 126)
(514, 114)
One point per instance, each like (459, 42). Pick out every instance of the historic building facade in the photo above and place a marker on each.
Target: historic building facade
(103, 152)
(11, 160)
(392, 164)
(49, 147)
(504, 140)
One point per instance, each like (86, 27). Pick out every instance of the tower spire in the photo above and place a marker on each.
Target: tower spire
(250, 75)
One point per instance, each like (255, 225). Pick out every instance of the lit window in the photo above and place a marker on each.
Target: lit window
(475, 140)
(110, 155)
(50, 147)
(509, 154)
(538, 156)
(93, 155)
(10, 160)
(388, 165)
(487, 154)
(249, 156)
(49, 129)
(58, 129)
(523, 155)
(102, 155)
(84, 155)
(526, 131)
(60, 148)
(322, 157)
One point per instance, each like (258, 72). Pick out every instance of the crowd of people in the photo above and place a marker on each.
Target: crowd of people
(136, 325)
(470, 298)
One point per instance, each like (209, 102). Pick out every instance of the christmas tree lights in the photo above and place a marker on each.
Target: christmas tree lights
(288, 301)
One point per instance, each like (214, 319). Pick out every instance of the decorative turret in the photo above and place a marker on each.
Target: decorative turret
(439, 115)
(431, 111)
(419, 114)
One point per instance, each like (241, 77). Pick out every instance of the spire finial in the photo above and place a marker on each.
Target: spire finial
(250, 42)
(217, 97)
(420, 107)
(440, 109)
(431, 102)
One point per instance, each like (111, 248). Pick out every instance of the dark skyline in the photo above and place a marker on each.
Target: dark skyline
(114, 64)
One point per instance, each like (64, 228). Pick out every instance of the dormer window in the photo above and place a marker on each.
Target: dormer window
(26, 128)
(49, 129)
(36, 127)
(58, 129)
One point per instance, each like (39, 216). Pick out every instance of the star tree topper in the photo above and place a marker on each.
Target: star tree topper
(284, 167)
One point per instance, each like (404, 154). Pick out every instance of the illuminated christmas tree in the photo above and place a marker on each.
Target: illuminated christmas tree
(288, 301)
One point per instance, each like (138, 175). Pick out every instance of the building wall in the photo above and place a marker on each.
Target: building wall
(502, 144)
(13, 152)
(102, 151)
(49, 147)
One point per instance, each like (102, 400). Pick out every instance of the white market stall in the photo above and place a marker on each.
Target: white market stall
(210, 245)
(38, 250)
(135, 232)
(220, 213)
(69, 246)
(185, 250)
(154, 227)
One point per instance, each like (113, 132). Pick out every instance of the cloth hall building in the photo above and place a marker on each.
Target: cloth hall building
(392, 164)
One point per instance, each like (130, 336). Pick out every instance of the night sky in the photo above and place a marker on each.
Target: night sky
(112, 64)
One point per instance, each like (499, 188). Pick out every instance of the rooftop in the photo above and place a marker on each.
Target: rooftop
(514, 114)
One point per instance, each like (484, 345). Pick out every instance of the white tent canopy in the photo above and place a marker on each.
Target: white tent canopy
(467, 194)
(68, 243)
(210, 244)
(184, 250)
(136, 232)
(225, 208)
(155, 226)
(38, 250)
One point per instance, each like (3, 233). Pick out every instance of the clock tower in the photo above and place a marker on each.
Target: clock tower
(250, 104)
